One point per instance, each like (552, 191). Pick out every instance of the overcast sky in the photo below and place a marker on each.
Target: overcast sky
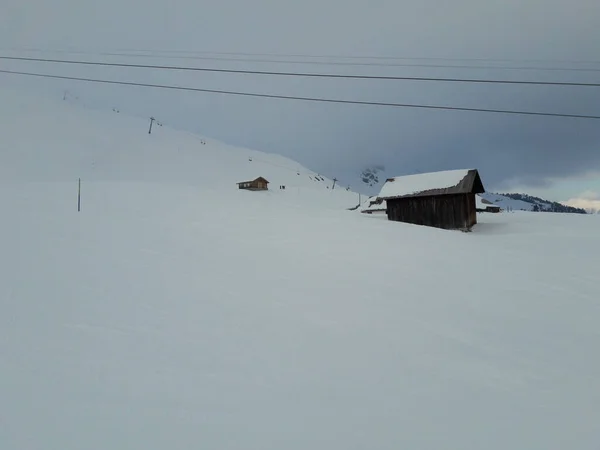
(554, 156)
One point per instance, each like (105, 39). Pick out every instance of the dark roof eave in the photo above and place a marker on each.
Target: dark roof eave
(427, 194)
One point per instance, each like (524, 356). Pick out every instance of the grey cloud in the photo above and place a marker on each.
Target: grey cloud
(340, 140)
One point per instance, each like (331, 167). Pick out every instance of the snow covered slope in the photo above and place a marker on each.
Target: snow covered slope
(525, 202)
(48, 140)
(507, 202)
(176, 312)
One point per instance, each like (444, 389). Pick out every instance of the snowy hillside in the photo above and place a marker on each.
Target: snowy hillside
(178, 312)
(507, 202)
(48, 140)
(524, 202)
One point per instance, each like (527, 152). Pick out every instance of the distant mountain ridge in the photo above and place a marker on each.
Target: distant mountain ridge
(370, 176)
(539, 204)
(526, 202)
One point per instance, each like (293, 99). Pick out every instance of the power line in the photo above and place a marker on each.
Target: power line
(151, 53)
(358, 57)
(296, 74)
(309, 99)
(338, 63)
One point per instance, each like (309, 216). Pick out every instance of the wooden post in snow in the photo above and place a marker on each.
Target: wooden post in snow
(152, 119)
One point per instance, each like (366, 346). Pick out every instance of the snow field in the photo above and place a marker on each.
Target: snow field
(176, 311)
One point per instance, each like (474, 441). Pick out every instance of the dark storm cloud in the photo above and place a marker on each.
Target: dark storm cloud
(520, 149)
(340, 140)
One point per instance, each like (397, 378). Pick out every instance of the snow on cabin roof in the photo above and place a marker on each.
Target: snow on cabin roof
(434, 183)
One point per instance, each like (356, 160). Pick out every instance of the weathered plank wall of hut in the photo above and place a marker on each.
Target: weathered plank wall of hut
(444, 211)
(472, 209)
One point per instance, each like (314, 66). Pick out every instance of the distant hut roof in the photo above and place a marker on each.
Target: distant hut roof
(484, 203)
(375, 205)
(464, 181)
(255, 180)
(479, 203)
(375, 201)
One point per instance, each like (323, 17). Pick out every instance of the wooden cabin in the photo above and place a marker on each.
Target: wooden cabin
(258, 184)
(438, 199)
(484, 205)
(376, 206)
(492, 209)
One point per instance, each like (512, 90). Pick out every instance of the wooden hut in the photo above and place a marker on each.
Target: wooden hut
(439, 199)
(258, 184)
(375, 206)
(484, 205)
